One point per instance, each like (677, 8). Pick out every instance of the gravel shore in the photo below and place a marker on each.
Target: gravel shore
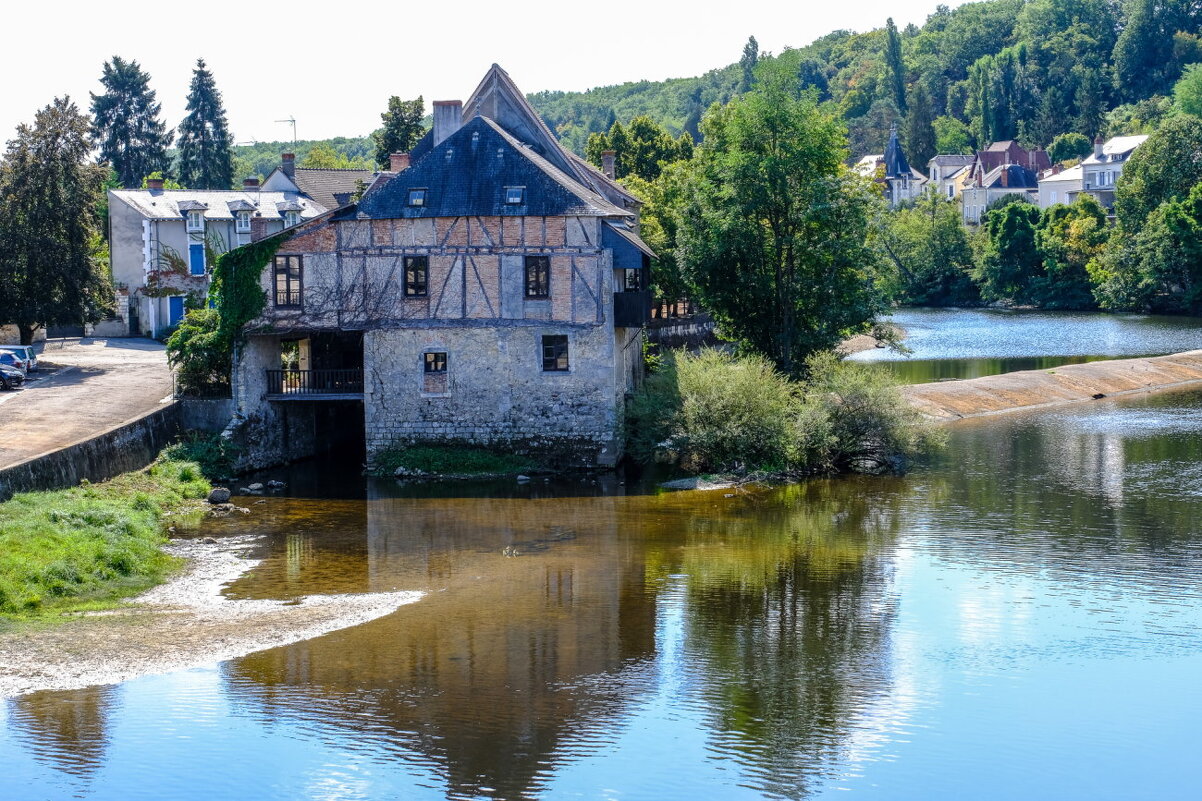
(185, 623)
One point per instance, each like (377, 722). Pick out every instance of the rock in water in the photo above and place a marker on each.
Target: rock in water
(256, 487)
(219, 495)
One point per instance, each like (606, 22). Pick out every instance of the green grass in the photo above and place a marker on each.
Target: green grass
(453, 460)
(90, 546)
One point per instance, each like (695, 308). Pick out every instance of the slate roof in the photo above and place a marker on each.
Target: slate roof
(325, 186)
(170, 204)
(951, 160)
(1116, 149)
(1020, 178)
(895, 160)
(1071, 174)
(467, 173)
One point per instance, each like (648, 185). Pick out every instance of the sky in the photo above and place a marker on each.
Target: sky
(332, 66)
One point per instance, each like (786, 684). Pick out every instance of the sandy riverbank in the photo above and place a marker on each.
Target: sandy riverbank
(875, 339)
(185, 623)
(1074, 383)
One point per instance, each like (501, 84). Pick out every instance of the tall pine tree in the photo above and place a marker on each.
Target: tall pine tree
(896, 67)
(206, 159)
(750, 57)
(919, 129)
(125, 122)
(49, 224)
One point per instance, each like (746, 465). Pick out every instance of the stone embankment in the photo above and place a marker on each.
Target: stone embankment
(1034, 389)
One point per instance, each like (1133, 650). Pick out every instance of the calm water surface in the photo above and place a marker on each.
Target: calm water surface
(969, 343)
(1022, 619)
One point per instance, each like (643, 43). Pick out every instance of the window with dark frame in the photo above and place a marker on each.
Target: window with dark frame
(289, 284)
(434, 373)
(632, 280)
(436, 362)
(515, 195)
(417, 197)
(417, 276)
(555, 353)
(538, 277)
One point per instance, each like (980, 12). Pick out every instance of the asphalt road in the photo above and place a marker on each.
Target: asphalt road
(86, 386)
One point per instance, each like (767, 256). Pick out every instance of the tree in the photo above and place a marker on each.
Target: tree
(1187, 92)
(125, 121)
(1068, 146)
(1068, 239)
(662, 199)
(323, 156)
(1163, 168)
(50, 243)
(641, 148)
(811, 73)
(1143, 53)
(896, 79)
(206, 158)
(951, 136)
(920, 129)
(773, 236)
(930, 249)
(1012, 258)
(402, 128)
(748, 62)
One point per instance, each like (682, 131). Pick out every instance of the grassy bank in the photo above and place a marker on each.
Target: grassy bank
(90, 546)
(452, 460)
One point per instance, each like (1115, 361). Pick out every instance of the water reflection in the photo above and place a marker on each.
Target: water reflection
(68, 730)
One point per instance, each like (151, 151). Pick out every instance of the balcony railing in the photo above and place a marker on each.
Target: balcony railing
(288, 298)
(302, 383)
(632, 309)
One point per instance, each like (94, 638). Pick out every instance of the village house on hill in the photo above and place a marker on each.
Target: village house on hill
(1100, 171)
(163, 241)
(899, 181)
(491, 289)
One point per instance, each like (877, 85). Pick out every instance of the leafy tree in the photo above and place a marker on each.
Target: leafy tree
(323, 156)
(195, 348)
(663, 200)
(640, 148)
(1068, 239)
(1163, 168)
(402, 128)
(168, 183)
(812, 74)
(1012, 257)
(951, 136)
(929, 246)
(205, 157)
(1144, 117)
(50, 243)
(773, 237)
(747, 63)
(1068, 146)
(919, 129)
(132, 138)
(896, 80)
(1187, 92)
(1143, 53)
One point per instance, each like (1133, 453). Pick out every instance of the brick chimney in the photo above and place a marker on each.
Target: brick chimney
(607, 162)
(1097, 146)
(448, 117)
(258, 228)
(1005, 176)
(288, 164)
(154, 184)
(398, 162)
(250, 184)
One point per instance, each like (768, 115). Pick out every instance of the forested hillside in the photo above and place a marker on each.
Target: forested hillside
(1000, 69)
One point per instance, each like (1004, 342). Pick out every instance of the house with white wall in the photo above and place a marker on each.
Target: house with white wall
(1060, 186)
(1102, 169)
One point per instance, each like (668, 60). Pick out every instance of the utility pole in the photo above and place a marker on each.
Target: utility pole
(292, 122)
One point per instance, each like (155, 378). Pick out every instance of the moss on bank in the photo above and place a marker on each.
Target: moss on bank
(90, 546)
(452, 460)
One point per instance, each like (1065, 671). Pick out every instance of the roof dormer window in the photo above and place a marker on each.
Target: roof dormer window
(417, 197)
(242, 221)
(196, 220)
(291, 218)
(515, 195)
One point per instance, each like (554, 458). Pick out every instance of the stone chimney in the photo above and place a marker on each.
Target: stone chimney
(1005, 176)
(154, 184)
(250, 184)
(607, 163)
(1097, 146)
(288, 164)
(398, 162)
(258, 228)
(448, 116)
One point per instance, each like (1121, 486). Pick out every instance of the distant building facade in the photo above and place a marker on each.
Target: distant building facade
(899, 182)
(1102, 168)
(1060, 185)
(1007, 179)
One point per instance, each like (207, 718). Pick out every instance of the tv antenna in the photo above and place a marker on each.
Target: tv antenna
(292, 122)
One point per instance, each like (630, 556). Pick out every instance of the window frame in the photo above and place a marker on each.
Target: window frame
(436, 365)
(239, 226)
(559, 360)
(416, 199)
(293, 285)
(292, 219)
(540, 263)
(195, 215)
(194, 248)
(521, 196)
(412, 288)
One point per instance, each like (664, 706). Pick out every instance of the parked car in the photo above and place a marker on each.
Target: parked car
(10, 359)
(10, 377)
(27, 353)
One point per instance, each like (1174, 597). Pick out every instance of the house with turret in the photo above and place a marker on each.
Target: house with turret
(491, 288)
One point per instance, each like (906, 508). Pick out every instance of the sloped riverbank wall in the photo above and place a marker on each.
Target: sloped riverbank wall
(1034, 389)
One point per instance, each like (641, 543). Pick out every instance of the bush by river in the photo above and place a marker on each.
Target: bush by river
(717, 412)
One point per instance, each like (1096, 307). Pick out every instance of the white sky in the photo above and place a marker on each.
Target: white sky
(334, 65)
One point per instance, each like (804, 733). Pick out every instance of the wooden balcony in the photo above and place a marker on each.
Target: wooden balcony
(315, 384)
(632, 309)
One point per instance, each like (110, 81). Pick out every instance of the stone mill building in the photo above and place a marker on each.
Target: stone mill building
(491, 288)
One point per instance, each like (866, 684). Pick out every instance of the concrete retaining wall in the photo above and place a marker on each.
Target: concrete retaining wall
(210, 415)
(130, 446)
(1033, 389)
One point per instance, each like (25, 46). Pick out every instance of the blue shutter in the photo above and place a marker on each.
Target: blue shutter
(175, 311)
(196, 259)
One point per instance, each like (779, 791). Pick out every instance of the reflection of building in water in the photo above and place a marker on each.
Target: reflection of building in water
(65, 729)
(1092, 461)
(526, 643)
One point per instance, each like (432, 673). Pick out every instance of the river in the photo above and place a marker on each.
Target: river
(1019, 618)
(969, 343)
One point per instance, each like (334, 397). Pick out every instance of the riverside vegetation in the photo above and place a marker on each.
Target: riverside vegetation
(89, 547)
